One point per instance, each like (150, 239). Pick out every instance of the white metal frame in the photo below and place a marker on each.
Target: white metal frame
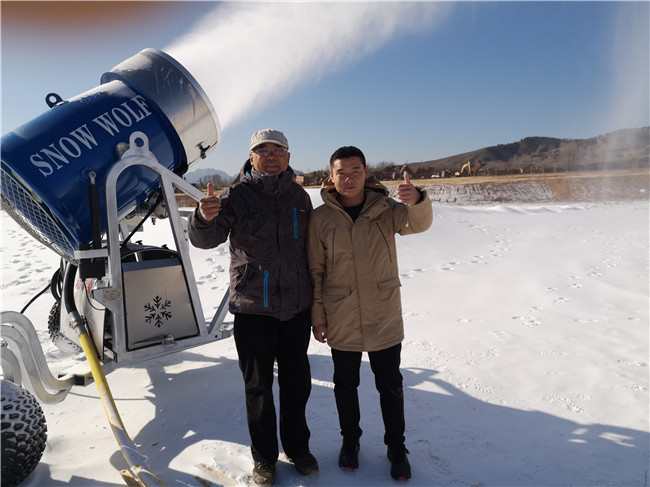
(108, 291)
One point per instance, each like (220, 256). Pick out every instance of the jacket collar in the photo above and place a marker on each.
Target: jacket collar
(272, 183)
(376, 195)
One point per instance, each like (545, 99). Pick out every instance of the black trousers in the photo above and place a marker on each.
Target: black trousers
(260, 342)
(388, 381)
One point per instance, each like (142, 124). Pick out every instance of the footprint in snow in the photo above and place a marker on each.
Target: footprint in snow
(498, 334)
(586, 320)
(412, 273)
(527, 321)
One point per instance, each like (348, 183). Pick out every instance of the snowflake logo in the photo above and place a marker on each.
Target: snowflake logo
(158, 311)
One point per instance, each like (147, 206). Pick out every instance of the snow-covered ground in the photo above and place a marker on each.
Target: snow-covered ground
(525, 363)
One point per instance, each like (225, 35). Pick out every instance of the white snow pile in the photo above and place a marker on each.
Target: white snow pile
(525, 363)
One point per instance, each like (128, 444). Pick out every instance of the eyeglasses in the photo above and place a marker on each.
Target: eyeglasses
(278, 151)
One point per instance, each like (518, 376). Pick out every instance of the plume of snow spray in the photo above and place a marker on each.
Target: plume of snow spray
(248, 55)
(631, 68)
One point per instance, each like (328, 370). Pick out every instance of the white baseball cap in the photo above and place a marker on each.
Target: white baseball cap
(268, 135)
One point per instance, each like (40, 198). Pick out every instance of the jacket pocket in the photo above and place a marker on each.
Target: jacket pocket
(387, 236)
(389, 284)
(336, 302)
(387, 304)
(242, 275)
(329, 247)
(253, 284)
(337, 291)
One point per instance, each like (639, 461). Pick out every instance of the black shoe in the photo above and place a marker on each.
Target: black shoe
(400, 468)
(305, 464)
(349, 455)
(264, 473)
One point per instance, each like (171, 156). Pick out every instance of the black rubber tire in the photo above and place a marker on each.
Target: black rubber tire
(61, 341)
(24, 434)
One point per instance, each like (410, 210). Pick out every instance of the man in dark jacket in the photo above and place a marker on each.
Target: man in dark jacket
(265, 213)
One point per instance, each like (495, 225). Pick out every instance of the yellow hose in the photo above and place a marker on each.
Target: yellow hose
(141, 474)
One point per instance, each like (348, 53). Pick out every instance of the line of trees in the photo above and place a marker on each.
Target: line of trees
(217, 181)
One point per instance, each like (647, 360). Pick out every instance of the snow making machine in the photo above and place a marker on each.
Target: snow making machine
(82, 178)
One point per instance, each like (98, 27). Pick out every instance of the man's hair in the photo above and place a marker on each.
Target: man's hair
(347, 152)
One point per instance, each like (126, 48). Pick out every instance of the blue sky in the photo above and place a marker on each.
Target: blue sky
(448, 78)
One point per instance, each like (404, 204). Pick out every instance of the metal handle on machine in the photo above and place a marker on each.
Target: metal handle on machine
(53, 99)
(95, 216)
(93, 266)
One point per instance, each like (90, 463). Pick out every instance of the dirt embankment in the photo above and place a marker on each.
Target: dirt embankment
(587, 186)
(592, 186)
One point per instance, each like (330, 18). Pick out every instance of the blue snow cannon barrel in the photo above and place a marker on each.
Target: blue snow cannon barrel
(47, 162)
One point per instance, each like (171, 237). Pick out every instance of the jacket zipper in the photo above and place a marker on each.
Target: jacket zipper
(295, 223)
(266, 289)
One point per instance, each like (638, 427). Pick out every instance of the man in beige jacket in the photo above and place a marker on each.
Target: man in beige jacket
(357, 305)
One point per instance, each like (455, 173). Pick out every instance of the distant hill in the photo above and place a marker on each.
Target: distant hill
(622, 149)
(212, 175)
(195, 176)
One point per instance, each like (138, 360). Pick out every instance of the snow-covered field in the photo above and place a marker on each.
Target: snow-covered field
(525, 363)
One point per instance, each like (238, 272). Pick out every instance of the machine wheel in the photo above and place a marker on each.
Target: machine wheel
(24, 433)
(61, 341)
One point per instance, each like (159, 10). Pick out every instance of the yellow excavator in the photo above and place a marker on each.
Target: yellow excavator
(467, 165)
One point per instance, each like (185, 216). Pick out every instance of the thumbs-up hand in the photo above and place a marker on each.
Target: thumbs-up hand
(210, 204)
(406, 192)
